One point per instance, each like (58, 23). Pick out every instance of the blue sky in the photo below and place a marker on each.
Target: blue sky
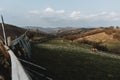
(61, 13)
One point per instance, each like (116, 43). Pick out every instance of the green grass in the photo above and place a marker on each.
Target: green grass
(68, 61)
(113, 46)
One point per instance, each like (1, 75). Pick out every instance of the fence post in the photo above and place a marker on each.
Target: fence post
(9, 40)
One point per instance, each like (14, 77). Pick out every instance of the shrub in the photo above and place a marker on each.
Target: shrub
(70, 37)
(109, 31)
(116, 36)
(115, 50)
(97, 45)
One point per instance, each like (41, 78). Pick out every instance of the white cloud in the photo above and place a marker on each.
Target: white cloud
(75, 15)
(102, 16)
(106, 16)
(34, 12)
(103, 13)
(95, 15)
(49, 10)
(50, 16)
(113, 16)
(60, 11)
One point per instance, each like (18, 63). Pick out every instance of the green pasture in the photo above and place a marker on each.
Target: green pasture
(71, 61)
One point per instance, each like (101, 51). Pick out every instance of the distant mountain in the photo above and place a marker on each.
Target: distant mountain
(72, 31)
(46, 30)
(53, 31)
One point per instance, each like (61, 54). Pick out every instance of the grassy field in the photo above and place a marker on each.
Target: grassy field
(69, 61)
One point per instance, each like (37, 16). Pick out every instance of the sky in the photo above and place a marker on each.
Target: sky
(61, 13)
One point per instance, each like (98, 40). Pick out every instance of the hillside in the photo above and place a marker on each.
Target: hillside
(99, 37)
(72, 31)
(106, 39)
(70, 61)
(46, 30)
(12, 30)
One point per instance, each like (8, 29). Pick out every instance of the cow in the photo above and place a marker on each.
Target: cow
(94, 50)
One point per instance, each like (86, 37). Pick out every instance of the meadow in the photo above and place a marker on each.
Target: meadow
(65, 60)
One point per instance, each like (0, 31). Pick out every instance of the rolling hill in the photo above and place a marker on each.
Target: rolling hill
(105, 39)
(12, 30)
(71, 61)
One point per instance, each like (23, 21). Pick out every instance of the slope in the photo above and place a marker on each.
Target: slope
(12, 30)
(70, 61)
(107, 38)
